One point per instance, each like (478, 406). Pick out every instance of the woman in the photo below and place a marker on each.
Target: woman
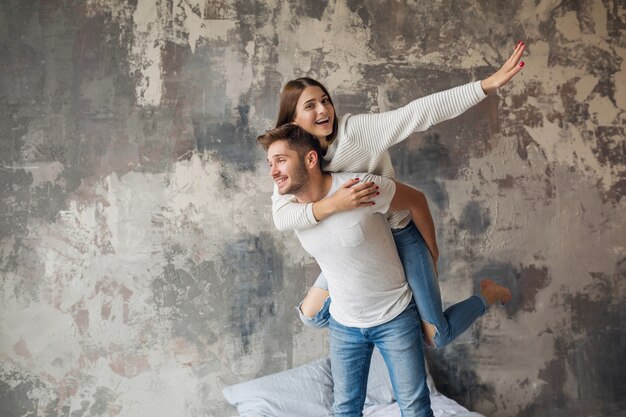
(359, 143)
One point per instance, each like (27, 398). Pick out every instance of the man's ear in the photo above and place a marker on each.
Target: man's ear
(311, 159)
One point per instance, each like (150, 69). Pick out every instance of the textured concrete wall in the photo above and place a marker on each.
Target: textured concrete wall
(139, 266)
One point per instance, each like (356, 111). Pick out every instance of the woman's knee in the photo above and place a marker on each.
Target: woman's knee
(433, 337)
(314, 309)
(313, 302)
(429, 331)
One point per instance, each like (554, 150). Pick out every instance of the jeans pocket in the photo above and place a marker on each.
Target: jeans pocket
(350, 236)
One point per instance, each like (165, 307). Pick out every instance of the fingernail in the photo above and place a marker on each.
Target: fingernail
(521, 64)
(377, 187)
(377, 193)
(357, 179)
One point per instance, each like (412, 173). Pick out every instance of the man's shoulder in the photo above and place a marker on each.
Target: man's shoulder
(340, 178)
(345, 176)
(366, 176)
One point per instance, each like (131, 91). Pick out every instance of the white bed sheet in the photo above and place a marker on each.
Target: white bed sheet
(306, 391)
(441, 405)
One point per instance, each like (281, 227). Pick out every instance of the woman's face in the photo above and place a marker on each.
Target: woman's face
(315, 113)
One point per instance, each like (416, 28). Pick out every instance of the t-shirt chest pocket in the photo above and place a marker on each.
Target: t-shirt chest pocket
(350, 236)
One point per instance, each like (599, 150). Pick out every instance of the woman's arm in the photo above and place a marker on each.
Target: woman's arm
(377, 132)
(288, 214)
(408, 198)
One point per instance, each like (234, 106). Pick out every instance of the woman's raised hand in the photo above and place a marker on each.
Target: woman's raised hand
(511, 67)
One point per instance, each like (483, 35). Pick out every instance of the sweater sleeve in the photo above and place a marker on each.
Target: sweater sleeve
(377, 132)
(290, 215)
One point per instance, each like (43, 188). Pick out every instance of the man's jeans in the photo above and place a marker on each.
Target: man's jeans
(423, 281)
(400, 343)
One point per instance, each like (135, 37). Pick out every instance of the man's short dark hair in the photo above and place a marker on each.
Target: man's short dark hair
(297, 139)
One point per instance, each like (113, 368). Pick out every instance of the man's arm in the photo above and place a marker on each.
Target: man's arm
(408, 198)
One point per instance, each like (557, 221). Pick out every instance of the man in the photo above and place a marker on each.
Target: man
(372, 303)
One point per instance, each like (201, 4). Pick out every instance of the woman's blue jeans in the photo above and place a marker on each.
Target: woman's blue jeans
(423, 281)
(400, 346)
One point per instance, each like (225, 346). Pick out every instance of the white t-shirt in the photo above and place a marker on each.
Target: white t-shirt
(358, 256)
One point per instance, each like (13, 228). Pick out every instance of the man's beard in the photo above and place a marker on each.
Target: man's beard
(299, 179)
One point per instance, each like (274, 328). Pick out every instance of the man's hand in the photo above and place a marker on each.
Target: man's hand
(510, 68)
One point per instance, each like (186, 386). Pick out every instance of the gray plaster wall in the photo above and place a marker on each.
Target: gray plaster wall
(140, 270)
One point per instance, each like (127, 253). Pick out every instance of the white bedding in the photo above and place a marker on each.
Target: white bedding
(441, 405)
(306, 391)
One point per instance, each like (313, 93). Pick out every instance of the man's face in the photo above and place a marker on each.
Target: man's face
(286, 168)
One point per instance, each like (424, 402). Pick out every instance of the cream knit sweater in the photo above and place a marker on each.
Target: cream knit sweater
(361, 146)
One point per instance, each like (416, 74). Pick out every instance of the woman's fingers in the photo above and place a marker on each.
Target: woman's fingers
(512, 62)
(364, 193)
(350, 183)
(508, 70)
(365, 197)
(519, 49)
(511, 59)
(364, 187)
(361, 194)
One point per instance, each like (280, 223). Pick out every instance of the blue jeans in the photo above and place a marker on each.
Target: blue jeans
(423, 281)
(400, 346)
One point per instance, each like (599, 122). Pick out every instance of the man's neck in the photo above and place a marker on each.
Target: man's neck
(316, 189)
